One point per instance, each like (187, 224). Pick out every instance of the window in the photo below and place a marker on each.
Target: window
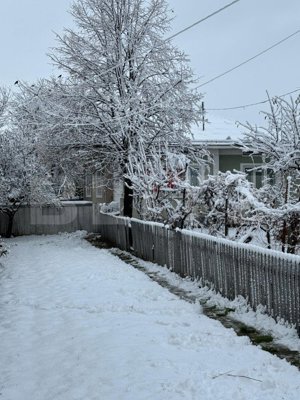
(99, 182)
(255, 176)
(196, 174)
(88, 185)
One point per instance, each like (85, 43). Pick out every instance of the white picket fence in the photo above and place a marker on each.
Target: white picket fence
(262, 276)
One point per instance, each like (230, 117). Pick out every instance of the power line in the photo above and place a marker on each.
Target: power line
(175, 35)
(250, 104)
(224, 73)
(213, 79)
(248, 60)
(166, 40)
(125, 117)
(201, 20)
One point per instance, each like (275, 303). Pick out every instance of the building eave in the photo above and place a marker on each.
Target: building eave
(216, 144)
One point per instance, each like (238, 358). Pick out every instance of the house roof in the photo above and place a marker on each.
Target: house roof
(217, 131)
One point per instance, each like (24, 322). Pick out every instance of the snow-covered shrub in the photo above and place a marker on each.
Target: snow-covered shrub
(278, 219)
(23, 177)
(225, 200)
(279, 145)
(110, 208)
(160, 187)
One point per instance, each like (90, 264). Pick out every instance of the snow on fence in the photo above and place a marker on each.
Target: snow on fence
(47, 220)
(116, 230)
(263, 276)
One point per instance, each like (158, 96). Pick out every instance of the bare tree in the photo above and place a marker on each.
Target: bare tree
(41, 110)
(23, 178)
(129, 87)
(225, 199)
(161, 187)
(4, 99)
(279, 145)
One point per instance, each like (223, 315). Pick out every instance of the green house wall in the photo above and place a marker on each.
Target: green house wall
(233, 162)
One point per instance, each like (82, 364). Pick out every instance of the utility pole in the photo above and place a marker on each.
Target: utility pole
(203, 118)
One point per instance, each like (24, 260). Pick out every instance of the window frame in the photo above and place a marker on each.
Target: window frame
(200, 176)
(245, 166)
(88, 185)
(99, 188)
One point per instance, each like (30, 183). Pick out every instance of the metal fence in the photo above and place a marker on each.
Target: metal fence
(263, 276)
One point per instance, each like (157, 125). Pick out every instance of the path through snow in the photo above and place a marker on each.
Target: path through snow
(77, 323)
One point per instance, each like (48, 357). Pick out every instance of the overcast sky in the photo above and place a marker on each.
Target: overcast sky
(238, 33)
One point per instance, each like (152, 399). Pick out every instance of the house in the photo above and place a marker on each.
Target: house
(103, 189)
(219, 136)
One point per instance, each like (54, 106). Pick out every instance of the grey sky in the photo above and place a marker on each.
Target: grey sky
(26, 33)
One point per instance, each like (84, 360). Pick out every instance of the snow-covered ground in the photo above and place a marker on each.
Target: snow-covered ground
(282, 332)
(76, 323)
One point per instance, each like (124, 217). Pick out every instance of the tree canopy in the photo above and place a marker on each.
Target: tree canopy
(125, 85)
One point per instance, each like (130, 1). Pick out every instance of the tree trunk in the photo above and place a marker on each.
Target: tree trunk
(284, 232)
(283, 236)
(294, 234)
(128, 198)
(183, 217)
(10, 225)
(268, 234)
(226, 218)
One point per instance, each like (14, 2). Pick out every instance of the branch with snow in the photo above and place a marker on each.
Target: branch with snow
(160, 186)
(125, 86)
(279, 145)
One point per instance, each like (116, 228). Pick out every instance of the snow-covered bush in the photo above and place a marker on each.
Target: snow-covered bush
(160, 187)
(280, 221)
(225, 200)
(110, 208)
(39, 110)
(23, 178)
(279, 145)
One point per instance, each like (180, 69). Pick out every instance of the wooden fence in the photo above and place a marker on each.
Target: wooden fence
(36, 220)
(263, 276)
(116, 230)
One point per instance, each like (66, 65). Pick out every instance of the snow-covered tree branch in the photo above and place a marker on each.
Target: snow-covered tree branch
(225, 200)
(279, 145)
(125, 86)
(160, 185)
(23, 178)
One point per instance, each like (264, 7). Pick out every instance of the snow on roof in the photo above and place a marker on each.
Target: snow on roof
(217, 129)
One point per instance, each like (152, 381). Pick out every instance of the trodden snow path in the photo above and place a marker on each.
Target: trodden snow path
(77, 323)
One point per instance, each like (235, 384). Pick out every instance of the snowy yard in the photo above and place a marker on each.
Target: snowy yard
(77, 323)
